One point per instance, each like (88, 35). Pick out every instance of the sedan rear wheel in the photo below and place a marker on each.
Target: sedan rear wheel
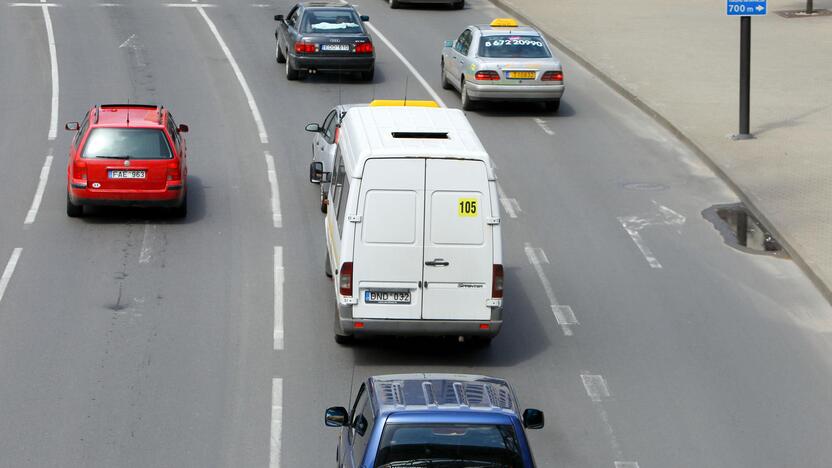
(467, 102)
(278, 53)
(552, 106)
(459, 5)
(292, 74)
(394, 3)
(444, 80)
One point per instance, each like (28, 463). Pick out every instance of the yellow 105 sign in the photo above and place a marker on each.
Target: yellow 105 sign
(467, 207)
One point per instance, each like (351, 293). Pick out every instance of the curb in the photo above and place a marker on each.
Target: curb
(813, 276)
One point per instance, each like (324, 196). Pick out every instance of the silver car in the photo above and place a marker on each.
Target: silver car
(502, 61)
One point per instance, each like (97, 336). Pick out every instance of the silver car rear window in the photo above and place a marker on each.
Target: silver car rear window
(509, 46)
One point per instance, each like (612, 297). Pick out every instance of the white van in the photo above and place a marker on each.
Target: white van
(413, 225)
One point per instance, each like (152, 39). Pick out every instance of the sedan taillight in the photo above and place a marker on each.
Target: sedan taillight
(486, 75)
(552, 76)
(497, 282)
(364, 48)
(345, 279)
(305, 48)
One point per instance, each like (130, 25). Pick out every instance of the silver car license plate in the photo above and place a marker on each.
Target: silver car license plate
(387, 297)
(335, 47)
(131, 174)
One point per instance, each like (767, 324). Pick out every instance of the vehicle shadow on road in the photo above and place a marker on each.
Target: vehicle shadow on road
(345, 78)
(197, 210)
(523, 109)
(522, 337)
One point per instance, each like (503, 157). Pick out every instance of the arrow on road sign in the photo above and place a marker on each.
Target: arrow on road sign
(760, 8)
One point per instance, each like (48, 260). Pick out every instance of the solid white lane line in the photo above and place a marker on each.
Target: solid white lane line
(53, 60)
(510, 205)
(278, 297)
(147, 243)
(543, 126)
(620, 464)
(252, 104)
(9, 271)
(42, 4)
(407, 64)
(596, 387)
(277, 216)
(563, 314)
(277, 422)
(44, 176)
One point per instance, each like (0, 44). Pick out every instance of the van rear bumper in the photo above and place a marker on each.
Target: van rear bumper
(421, 327)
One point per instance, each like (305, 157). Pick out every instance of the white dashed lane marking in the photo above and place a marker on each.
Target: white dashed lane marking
(563, 314)
(277, 423)
(277, 216)
(44, 177)
(9, 271)
(278, 297)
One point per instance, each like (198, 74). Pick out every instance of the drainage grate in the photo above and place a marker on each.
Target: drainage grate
(742, 230)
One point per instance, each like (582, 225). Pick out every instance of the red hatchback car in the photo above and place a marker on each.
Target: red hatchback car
(127, 154)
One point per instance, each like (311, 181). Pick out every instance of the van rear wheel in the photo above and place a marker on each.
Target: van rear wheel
(340, 337)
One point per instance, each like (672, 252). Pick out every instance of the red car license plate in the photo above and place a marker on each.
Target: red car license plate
(129, 174)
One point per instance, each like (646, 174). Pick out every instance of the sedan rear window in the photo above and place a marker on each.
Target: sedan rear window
(507, 46)
(322, 21)
(127, 143)
(448, 445)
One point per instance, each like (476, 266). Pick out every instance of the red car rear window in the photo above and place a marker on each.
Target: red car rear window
(127, 143)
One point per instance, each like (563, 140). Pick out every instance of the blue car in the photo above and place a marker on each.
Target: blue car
(435, 420)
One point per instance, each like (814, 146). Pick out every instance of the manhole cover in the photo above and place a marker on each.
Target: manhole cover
(803, 14)
(741, 230)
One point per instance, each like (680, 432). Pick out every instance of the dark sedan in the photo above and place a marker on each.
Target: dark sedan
(325, 37)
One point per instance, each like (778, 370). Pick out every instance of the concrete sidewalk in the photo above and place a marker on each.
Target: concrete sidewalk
(680, 61)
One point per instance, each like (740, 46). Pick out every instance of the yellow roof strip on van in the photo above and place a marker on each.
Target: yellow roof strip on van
(504, 23)
(402, 103)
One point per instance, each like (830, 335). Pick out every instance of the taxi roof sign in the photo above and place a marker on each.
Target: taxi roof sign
(504, 23)
(402, 103)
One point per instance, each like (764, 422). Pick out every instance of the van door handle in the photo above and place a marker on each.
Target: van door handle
(437, 262)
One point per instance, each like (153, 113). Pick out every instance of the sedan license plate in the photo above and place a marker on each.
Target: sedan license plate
(335, 47)
(521, 75)
(387, 297)
(133, 174)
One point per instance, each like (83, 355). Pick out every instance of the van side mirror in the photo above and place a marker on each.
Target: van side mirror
(449, 44)
(533, 419)
(278, 17)
(317, 174)
(72, 126)
(336, 417)
(313, 128)
(365, 18)
(183, 128)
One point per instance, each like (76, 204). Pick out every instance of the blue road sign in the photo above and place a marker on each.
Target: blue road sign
(746, 8)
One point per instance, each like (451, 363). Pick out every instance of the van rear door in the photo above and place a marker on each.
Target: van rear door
(387, 269)
(458, 241)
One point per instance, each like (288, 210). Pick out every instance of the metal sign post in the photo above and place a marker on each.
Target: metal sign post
(745, 9)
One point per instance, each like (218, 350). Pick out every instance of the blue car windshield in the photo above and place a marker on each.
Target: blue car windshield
(507, 46)
(335, 20)
(448, 445)
(127, 143)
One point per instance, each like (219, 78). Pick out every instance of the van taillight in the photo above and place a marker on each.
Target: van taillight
(497, 282)
(174, 171)
(345, 279)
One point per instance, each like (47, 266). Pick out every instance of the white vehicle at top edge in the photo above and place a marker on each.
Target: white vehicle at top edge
(413, 225)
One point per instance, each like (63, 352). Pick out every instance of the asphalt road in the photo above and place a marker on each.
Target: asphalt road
(128, 339)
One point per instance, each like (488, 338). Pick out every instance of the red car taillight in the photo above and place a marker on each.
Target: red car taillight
(305, 48)
(345, 279)
(552, 76)
(364, 48)
(174, 171)
(497, 282)
(486, 75)
(79, 170)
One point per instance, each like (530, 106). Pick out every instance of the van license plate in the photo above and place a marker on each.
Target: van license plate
(387, 297)
(128, 174)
